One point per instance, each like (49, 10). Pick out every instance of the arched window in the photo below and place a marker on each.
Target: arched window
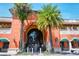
(4, 44)
(64, 44)
(75, 43)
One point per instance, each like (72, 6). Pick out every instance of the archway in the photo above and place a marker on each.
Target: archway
(4, 44)
(64, 44)
(75, 43)
(35, 40)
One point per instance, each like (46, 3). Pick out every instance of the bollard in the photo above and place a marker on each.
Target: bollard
(40, 50)
(32, 50)
(27, 50)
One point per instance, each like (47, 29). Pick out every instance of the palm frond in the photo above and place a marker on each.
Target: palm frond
(21, 10)
(49, 15)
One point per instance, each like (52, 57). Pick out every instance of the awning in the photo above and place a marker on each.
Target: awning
(75, 39)
(63, 40)
(3, 40)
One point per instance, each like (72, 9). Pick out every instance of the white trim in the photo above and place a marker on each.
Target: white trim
(14, 49)
(69, 32)
(70, 21)
(5, 19)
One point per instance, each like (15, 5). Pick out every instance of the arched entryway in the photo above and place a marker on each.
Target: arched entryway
(4, 44)
(35, 40)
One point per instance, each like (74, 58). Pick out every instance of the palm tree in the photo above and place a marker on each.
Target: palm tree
(49, 17)
(21, 10)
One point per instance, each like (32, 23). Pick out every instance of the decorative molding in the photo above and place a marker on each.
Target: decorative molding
(5, 19)
(69, 32)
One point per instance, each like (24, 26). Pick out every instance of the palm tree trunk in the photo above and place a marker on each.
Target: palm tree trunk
(21, 38)
(50, 40)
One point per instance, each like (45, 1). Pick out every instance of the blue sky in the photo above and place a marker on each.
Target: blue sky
(68, 10)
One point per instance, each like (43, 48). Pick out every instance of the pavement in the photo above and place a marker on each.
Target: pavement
(37, 54)
(46, 54)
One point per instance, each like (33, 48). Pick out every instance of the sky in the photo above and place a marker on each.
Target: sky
(68, 10)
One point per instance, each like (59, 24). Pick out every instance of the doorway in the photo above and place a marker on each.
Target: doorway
(35, 40)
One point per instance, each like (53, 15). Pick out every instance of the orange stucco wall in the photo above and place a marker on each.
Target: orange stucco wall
(14, 36)
(69, 36)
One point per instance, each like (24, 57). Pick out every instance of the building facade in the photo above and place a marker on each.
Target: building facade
(35, 38)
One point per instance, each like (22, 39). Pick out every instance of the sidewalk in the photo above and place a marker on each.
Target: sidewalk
(44, 54)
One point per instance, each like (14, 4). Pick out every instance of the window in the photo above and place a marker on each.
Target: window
(70, 28)
(64, 45)
(75, 28)
(64, 28)
(5, 27)
(75, 44)
(4, 45)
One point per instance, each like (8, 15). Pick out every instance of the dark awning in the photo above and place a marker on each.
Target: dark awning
(3, 40)
(75, 39)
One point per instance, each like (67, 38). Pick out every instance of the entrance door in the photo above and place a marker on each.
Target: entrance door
(35, 40)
